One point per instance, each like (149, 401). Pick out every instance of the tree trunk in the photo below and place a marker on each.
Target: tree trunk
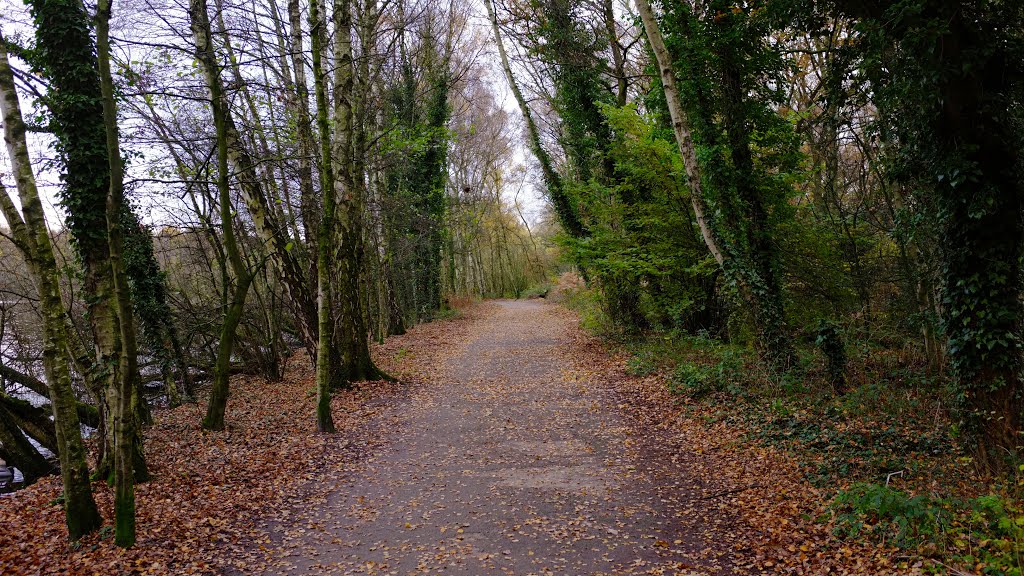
(16, 450)
(67, 56)
(81, 513)
(681, 129)
(759, 288)
(567, 214)
(307, 144)
(759, 265)
(125, 396)
(352, 339)
(35, 422)
(980, 208)
(205, 55)
(87, 413)
(325, 368)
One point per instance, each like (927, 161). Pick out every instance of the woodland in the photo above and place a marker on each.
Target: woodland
(804, 217)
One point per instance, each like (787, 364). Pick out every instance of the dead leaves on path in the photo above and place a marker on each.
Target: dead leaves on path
(777, 528)
(210, 491)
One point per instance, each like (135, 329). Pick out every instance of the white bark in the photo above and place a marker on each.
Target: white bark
(681, 128)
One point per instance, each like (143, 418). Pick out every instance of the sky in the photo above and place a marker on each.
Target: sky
(14, 22)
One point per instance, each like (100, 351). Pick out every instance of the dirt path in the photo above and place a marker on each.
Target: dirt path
(512, 461)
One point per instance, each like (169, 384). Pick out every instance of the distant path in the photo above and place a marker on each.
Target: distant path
(510, 464)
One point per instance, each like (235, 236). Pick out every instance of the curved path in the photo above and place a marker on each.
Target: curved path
(513, 462)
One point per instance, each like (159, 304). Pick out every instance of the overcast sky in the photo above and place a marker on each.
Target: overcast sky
(14, 21)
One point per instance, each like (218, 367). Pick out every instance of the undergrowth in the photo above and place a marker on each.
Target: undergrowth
(878, 438)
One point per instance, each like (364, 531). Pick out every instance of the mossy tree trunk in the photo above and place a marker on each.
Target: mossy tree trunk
(126, 400)
(748, 257)
(66, 54)
(327, 358)
(351, 336)
(568, 216)
(33, 238)
(979, 197)
(233, 307)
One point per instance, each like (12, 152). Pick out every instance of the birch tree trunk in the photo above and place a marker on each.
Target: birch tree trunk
(567, 215)
(33, 238)
(754, 278)
(352, 337)
(325, 261)
(66, 53)
(680, 127)
(301, 111)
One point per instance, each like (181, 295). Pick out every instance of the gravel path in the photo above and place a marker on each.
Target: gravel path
(509, 463)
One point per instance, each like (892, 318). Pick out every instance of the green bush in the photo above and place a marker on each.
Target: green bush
(728, 376)
(537, 291)
(691, 380)
(891, 515)
(985, 533)
(587, 303)
(995, 525)
(643, 363)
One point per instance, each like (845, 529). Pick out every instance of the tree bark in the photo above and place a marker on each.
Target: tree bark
(35, 422)
(325, 368)
(981, 230)
(125, 398)
(87, 413)
(81, 513)
(205, 55)
(352, 338)
(681, 128)
(301, 111)
(66, 54)
(16, 450)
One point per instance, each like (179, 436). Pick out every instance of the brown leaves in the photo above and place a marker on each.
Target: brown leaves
(209, 490)
(751, 502)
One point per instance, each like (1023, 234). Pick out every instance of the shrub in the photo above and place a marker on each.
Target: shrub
(728, 376)
(985, 533)
(891, 515)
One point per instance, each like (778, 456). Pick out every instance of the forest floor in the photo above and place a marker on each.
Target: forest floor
(517, 445)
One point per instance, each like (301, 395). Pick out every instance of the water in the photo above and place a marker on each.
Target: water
(14, 483)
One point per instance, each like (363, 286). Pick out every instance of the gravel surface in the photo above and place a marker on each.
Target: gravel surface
(508, 460)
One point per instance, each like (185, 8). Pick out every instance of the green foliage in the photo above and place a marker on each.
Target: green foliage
(729, 376)
(65, 54)
(643, 363)
(537, 290)
(149, 291)
(996, 524)
(416, 179)
(948, 80)
(642, 241)
(986, 532)
(885, 422)
(749, 154)
(589, 305)
(446, 314)
(570, 51)
(888, 514)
